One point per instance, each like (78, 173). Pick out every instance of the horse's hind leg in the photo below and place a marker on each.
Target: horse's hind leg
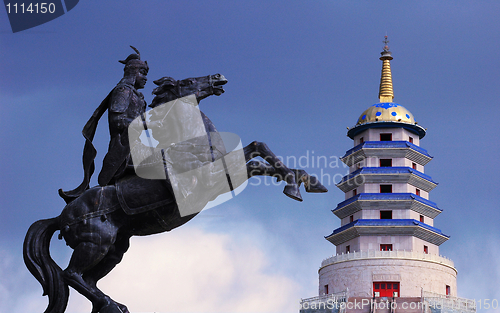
(260, 149)
(112, 258)
(92, 248)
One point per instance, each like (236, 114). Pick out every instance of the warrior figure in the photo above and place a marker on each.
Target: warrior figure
(124, 103)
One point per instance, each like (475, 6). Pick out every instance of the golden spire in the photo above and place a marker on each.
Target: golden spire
(386, 93)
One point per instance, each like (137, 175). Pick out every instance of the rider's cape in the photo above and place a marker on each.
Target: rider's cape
(89, 152)
(117, 152)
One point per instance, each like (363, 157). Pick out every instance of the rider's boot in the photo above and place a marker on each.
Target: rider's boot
(311, 183)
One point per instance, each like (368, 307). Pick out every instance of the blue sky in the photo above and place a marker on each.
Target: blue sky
(299, 73)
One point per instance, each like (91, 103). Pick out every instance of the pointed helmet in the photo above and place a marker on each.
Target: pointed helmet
(133, 64)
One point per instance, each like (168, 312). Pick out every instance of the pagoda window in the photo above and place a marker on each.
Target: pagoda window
(354, 192)
(414, 166)
(421, 218)
(410, 139)
(385, 162)
(385, 247)
(347, 249)
(417, 192)
(385, 137)
(448, 290)
(426, 249)
(385, 188)
(386, 215)
(351, 218)
(361, 140)
(326, 289)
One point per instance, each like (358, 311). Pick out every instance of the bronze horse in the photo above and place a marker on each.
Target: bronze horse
(99, 224)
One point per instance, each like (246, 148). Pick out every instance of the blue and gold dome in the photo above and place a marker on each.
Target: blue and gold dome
(387, 113)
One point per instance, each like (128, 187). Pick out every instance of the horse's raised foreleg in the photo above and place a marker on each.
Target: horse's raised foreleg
(260, 149)
(311, 183)
(257, 168)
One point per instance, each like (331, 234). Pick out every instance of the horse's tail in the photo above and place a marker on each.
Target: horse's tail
(37, 258)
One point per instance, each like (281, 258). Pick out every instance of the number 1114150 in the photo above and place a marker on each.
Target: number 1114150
(30, 8)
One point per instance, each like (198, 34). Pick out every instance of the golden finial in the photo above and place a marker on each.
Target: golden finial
(386, 93)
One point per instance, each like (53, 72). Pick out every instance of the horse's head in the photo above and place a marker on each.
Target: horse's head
(170, 89)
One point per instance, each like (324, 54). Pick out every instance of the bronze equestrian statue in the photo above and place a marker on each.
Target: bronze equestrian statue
(98, 222)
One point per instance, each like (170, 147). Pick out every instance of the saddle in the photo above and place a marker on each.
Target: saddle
(137, 195)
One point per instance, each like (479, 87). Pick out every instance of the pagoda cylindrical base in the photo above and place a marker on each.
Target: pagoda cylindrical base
(359, 275)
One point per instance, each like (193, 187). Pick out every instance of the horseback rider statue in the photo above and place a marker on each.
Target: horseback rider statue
(98, 222)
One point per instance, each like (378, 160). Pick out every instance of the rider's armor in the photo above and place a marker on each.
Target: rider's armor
(125, 105)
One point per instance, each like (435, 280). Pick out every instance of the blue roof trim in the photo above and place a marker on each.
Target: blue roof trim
(386, 170)
(414, 128)
(379, 222)
(385, 145)
(385, 196)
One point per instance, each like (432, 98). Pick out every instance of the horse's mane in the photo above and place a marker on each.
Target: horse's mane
(162, 92)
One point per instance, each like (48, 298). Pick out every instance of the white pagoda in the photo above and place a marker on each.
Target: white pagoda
(387, 246)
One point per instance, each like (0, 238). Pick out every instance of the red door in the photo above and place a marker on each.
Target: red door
(386, 289)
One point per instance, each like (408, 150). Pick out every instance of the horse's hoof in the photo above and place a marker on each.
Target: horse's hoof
(312, 184)
(293, 192)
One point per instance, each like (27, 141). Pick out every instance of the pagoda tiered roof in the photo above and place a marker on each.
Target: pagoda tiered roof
(387, 227)
(386, 201)
(386, 149)
(393, 175)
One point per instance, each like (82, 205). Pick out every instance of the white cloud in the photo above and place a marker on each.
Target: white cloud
(15, 294)
(192, 270)
(479, 273)
(236, 266)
